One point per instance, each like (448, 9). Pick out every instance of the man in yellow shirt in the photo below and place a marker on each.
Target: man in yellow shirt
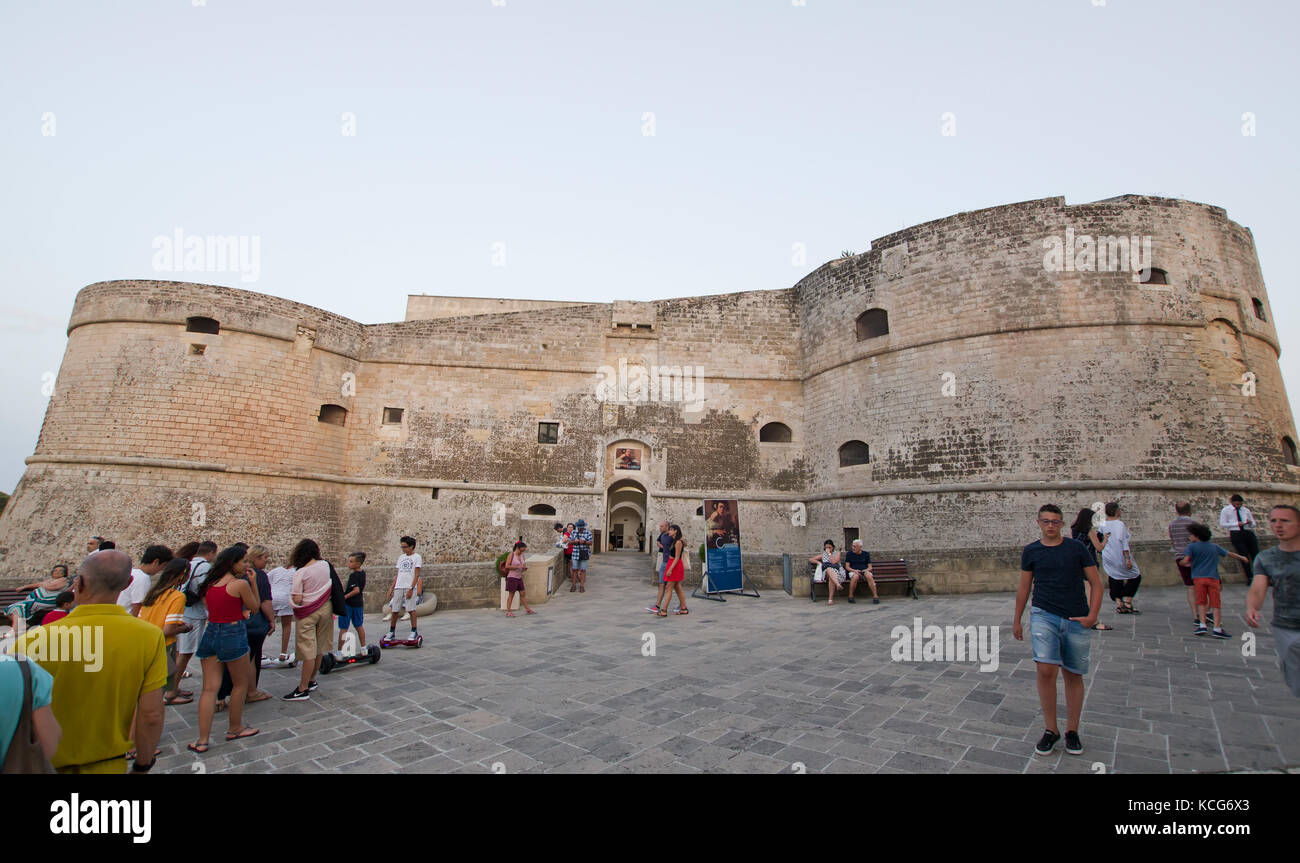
(107, 666)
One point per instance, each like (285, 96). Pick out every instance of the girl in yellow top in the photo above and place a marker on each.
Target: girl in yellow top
(164, 607)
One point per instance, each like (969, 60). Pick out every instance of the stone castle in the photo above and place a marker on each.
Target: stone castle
(926, 396)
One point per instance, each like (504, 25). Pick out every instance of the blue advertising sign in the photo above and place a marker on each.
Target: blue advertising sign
(722, 544)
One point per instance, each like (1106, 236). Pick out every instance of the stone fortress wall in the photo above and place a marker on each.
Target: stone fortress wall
(999, 386)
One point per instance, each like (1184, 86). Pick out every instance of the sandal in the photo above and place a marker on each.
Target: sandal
(200, 748)
(510, 614)
(131, 754)
(682, 611)
(1101, 627)
(220, 706)
(261, 696)
(1121, 610)
(663, 612)
(178, 699)
(573, 588)
(530, 611)
(247, 732)
(184, 693)
(186, 674)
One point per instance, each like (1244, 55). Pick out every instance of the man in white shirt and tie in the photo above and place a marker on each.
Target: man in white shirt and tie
(1240, 524)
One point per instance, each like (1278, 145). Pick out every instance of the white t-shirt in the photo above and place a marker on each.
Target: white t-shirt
(407, 564)
(281, 579)
(1112, 556)
(135, 591)
(199, 569)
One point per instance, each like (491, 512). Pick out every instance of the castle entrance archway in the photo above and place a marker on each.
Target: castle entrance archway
(625, 514)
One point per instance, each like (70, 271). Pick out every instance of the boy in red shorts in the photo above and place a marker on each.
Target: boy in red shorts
(1203, 557)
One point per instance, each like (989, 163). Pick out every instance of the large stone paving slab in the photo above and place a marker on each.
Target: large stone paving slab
(768, 685)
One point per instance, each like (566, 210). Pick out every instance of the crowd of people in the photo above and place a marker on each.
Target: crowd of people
(88, 709)
(1062, 576)
(101, 695)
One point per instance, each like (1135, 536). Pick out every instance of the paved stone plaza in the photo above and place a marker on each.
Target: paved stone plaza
(760, 686)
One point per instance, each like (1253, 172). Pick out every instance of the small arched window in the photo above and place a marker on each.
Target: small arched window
(775, 433)
(1259, 308)
(1156, 277)
(541, 509)
(333, 414)
(202, 325)
(872, 323)
(854, 452)
(699, 510)
(1289, 452)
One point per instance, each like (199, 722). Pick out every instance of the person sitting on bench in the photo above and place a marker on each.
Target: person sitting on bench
(831, 568)
(859, 565)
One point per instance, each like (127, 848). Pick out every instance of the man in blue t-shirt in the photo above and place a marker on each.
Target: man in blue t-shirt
(1060, 623)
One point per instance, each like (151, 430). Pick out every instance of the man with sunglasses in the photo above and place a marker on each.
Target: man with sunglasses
(1060, 623)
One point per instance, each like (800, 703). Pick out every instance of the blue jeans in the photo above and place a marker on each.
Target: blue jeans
(1060, 641)
(226, 641)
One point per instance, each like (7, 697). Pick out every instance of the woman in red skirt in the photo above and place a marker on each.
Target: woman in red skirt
(675, 572)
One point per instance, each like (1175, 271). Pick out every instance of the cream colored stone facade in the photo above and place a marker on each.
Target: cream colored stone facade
(999, 386)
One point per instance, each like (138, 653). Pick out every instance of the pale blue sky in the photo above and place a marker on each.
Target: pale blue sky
(522, 124)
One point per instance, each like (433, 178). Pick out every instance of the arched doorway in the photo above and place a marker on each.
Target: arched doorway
(625, 526)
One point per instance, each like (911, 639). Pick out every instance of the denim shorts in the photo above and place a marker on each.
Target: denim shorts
(226, 641)
(1060, 641)
(355, 615)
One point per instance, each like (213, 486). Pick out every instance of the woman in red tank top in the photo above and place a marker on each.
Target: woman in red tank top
(229, 599)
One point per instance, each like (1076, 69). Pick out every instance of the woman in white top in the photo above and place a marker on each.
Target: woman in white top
(1121, 569)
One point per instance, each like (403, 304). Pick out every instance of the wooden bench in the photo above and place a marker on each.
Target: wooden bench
(883, 571)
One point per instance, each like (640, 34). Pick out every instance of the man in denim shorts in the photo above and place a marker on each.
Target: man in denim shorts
(1060, 623)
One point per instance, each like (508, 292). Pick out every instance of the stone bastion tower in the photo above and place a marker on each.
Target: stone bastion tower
(926, 396)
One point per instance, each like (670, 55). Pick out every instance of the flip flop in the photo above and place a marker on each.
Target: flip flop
(220, 706)
(247, 732)
(179, 699)
(132, 753)
(184, 693)
(264, 696)
(1101, 627)
(200, 748)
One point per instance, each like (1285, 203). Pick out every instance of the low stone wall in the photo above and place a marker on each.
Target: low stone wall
(467, 585)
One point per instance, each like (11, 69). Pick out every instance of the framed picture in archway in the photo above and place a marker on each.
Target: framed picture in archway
(627, 458)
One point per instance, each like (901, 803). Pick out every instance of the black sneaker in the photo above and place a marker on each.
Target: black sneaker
(1072, 743)
(298, 695)
(312, 686)
(851, 599)
(1219, 632)
(1047, 743)
(1200, 628)
(875, 600)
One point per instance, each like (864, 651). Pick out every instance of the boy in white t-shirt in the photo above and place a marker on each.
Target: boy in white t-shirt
(406, 589)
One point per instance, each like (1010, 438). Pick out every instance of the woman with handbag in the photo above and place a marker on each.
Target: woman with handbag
(675, 572)
(829, 569)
